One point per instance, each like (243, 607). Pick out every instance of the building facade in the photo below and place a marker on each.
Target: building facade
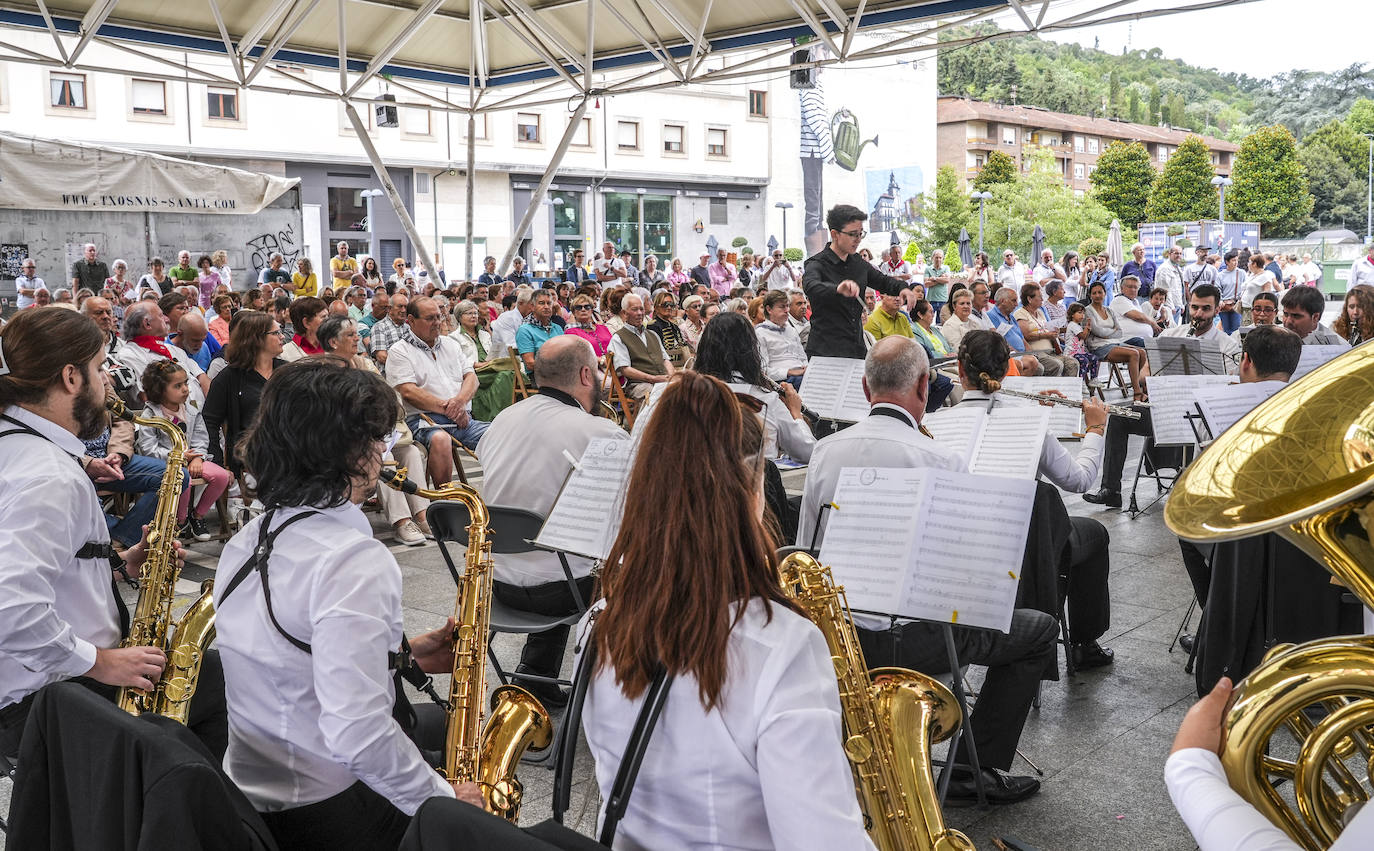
(969, 130)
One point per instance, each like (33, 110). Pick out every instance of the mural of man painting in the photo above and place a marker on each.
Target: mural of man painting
(817, 149)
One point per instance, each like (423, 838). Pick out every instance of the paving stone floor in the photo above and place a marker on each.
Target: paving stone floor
(1101, 738)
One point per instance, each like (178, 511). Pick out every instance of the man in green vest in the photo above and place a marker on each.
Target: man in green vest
(640, 359)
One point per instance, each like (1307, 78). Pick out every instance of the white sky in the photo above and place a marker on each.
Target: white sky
(1260, 38)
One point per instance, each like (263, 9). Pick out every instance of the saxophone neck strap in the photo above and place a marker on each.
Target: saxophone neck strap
(262, 553)
(618, 801)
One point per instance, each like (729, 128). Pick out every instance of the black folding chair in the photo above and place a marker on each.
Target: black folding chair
(7, 768)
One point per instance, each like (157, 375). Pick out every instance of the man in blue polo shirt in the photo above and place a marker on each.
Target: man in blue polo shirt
(1002, 322)
(537, 329)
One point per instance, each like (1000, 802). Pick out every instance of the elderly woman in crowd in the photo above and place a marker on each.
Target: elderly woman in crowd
(584, 325)
(1054, 307)
(118, 283)
(219, 326)
(1106, 339)
(677, 277)
(220, 260)
(610, 307)
(495, 374)
(692, 322)
(306, 315)
(206, 281)
(651, 276)
(665, 325)
(252, 354)
(338, 335)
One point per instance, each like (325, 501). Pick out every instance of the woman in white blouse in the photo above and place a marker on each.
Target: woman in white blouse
(747, 751)
(1259, 281)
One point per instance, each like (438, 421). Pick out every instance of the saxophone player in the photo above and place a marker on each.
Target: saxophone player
(754, 706)
(59, 615)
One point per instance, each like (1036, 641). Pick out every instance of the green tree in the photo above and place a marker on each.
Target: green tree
(951, 208)
(952, 257)
(1178, 110)
(1041, 197)
(1270, 187)
(1133, 111)
(1154, 104)
(1343, 141)
(1336, 194)
(1114, 94)
(1361, 116)
(1092, 246)
(1122, 180)
(1000, 168)
(1184, 191)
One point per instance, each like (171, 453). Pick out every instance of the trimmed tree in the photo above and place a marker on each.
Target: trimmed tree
(1184, 191)
(952, 257)
(1122, 181)
(1154, 105)
(999, 168)
(1092, 246)
(951, 210)
(1270, 187)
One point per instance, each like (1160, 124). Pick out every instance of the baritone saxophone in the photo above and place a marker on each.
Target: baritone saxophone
(185, 641)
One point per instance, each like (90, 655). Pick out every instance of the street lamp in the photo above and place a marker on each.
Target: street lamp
(1369, 194)
(368, 195)
(982, 198)
(784, 206)
(1221, 183)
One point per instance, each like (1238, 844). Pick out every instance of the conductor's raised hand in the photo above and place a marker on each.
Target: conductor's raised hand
(849, 289)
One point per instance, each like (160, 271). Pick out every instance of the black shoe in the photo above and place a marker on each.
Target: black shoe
(1105, 497)
(552, 696)
(1186, 642)
(195, 528)
(998, 786)
(1091, 655)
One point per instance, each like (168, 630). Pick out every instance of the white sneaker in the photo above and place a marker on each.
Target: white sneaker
(409, 534)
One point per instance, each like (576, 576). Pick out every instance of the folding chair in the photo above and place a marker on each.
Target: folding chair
(615, 392)
(521, 389)
(459, 450)
(1122, 382)
(7, 769)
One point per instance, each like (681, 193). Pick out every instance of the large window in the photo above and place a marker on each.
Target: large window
(622, 221)
(1078, 171)
(347, 209)
(223, 104)
(643, 224)
(149, 97)
(720, 211)
(1009, 136)
(582, 137)
(1078, 144)
(1092, 145)
(716, 142)
(567, 226)
(672, 138)
(415, 122)
(627, 135)
(526, 127)
(68, 90)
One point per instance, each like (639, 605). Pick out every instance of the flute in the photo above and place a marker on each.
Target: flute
(1051, 399)
(809, 415)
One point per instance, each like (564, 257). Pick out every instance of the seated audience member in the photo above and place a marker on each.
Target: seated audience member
(1302, 314)
(1157, 307)
(165, 385)
(896, 377)
(961, 319)
(585, 325)
(281, 309)
(752, 677)
(937, 347)
(1042, 338)
(729, 351)
(193, 337)
(253, 354)
(145, 334)
(1355, 325)
(380, 307)
(1108, 342)
(387, 332)
(784, 356)
(1134, 313)
(436, 384)
(307, 312)
(519, 274)
(495, 371)
(524, 455)
(637, 353)
(665, 325)
(799, 313)
(888, 319)
(999, 315)
(537, 329)
(982, 366)
(219, 326)
(507, 325)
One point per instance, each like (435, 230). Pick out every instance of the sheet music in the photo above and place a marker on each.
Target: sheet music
(1314, 356)
(1186, 356)
(585, 518)
(1222, 406)
(833, 388)
(1171, 398)
(957, 427)
(1011, 442)
(971, 532)
(1065, 421)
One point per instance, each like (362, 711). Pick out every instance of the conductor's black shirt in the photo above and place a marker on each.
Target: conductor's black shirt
(836, 320)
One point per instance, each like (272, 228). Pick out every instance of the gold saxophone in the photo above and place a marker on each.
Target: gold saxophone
(487, 755)
(1300, 464)
(891, 718)
(151, 623)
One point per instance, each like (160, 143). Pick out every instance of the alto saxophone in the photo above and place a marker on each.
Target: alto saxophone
(891, 718)
(487, 755)
(151, 625)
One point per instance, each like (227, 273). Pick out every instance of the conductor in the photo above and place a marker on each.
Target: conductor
(835, 279)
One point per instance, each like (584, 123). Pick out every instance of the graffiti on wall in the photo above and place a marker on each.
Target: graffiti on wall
(282, 242)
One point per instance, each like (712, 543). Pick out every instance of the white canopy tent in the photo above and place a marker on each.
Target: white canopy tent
(508, 53)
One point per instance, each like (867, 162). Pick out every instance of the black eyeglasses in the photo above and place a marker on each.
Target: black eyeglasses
(582, 307)
(854, 234)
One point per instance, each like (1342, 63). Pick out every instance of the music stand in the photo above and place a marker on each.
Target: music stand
(1184, 356)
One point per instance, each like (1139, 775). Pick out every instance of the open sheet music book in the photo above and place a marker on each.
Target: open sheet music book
(585, 518)
(1065, 422)
(1186, 356)
(946, 547)
(1221, 407)
(1314, 356)
(1172, 399)
(833, 388)
(1004, 442)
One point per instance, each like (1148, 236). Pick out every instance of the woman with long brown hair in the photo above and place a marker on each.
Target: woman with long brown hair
(754, 705)
(1356, 322)
(253, 352)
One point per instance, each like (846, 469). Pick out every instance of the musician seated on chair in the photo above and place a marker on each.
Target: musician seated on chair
(59, 619)
(436, 383)
(1270, 353)
(753, 707)
(1202, 322)
(1302, 314)
(637, 353)
(896, 380)
(537, 329)
(524, 463)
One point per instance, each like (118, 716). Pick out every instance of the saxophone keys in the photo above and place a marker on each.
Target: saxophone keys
(841, 665)
(858, 748)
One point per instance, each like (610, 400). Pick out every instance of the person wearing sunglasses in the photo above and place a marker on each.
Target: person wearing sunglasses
(835, 279)
(666, 315)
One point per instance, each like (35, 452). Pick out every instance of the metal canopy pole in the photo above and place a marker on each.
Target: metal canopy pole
(476, 65)
(537, 199)
(417, 242)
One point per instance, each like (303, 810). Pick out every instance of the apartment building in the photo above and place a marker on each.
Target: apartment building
(968, 130)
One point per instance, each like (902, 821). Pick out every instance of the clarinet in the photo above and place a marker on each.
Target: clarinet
(809, 415)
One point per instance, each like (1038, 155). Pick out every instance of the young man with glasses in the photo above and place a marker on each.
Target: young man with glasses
(835, 279)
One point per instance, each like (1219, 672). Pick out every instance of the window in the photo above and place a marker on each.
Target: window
(583, 137)
(223, 104)
(526, 127)
(1009, 136)
(149, 97)
(1078, 171)
(627, 135)
(479, 124)
(979, 161)
(758, 104)
(672, 138)
(423, 183)
(415, 122)
(720, 212)
(1163, 153)
(1092, 146)
(68, 90)
(715, 142)
(1078, 144)
(347, 210)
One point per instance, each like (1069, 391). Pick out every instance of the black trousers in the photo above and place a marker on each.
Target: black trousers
(1014, 660)
(1089, 602)
(1119, 431)
(543, 653)
(208, 717)
(1199, 569)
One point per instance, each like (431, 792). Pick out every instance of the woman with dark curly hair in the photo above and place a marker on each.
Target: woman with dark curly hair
(1356, 322)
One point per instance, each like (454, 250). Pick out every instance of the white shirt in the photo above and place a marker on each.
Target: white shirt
(55, 611)
(22, 282)
(470, 348)
(621, 352)
(729, 778)
(782, 276)
(1229, 346)
(1058, 466)
(1255, 284)
(503, 330)
(1043, 273)
(1011, 276)
(609, 269)
(154, 443)
(781, 431)
(781, 347)
(1121, 305)
(137, 358)
(1170, 277)
(1221, 820)
(523, 463)
(304, 727)
(955, 328)
(901, 269)
(440, 373)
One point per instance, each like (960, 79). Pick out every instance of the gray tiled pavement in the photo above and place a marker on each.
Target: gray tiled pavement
(1101, 738)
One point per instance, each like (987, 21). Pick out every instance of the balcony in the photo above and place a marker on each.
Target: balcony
(980, 142)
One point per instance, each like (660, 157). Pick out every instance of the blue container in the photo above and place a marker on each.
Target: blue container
(1219, 237)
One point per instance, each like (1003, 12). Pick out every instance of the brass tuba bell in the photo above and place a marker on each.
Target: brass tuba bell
(1302, 465)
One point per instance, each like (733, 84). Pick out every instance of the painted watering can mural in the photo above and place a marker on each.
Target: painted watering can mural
(844, 130)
